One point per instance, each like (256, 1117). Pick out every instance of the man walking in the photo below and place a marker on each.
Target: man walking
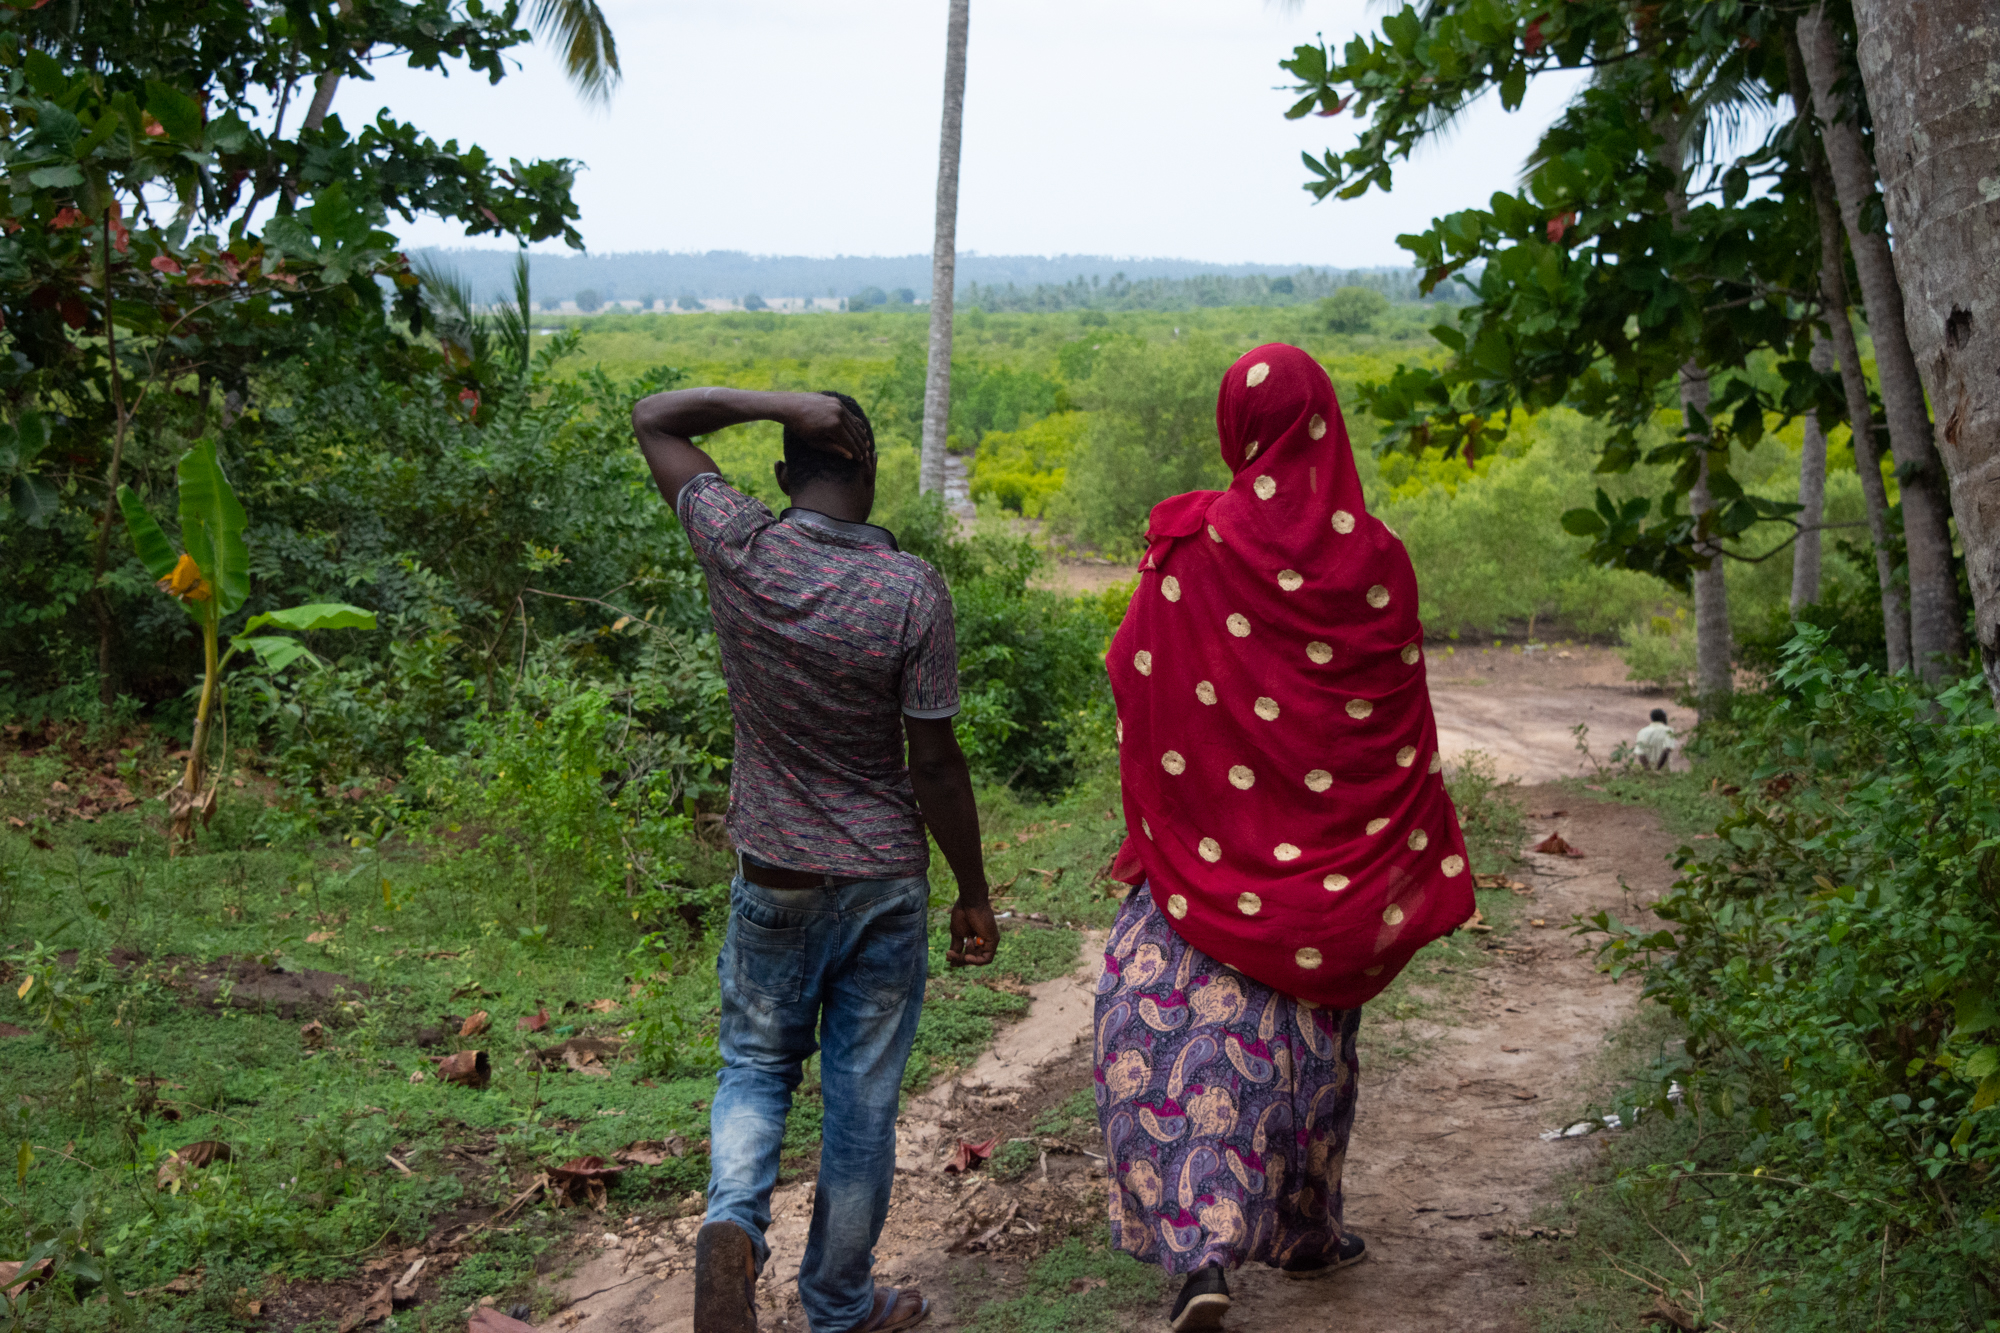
(838, 649)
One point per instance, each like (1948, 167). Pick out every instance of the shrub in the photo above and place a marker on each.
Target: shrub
(1834, 957)
(1659, 651)
(1021, 469)
(588, 300)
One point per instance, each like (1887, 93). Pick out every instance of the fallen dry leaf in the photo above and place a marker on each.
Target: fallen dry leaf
(469, 1069)
(1553, 845)
(583, 1179)
(476, 1024)
(11, 1280)
(174, 1171)
(968, 1155)
(1476, 923)
(381, 1303)
(313, 1035)
(585, 1062)
(603, 1006)
(1665, 1311)
(534, 1022)
(16, 822)
(1511, 1050)
(652, 1152)
(320, 936)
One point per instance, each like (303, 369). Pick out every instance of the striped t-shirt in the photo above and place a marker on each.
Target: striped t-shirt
(830, 635)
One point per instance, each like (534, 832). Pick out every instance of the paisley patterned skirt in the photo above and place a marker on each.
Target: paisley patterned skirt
(1225, 1105)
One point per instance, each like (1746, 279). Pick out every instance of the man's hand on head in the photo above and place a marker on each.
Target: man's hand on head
(824, 422)
(975, 935)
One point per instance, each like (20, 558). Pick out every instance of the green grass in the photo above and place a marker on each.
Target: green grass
(1081, 1284)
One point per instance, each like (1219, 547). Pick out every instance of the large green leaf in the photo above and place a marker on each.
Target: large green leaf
(35, 501)
(212, 524)
(156, 553)
(275, 651)
(315, 615)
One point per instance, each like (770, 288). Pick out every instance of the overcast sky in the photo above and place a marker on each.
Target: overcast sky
(1091, 127)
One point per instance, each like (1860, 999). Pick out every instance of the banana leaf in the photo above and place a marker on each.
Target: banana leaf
(314, 615)
(212, 525)
(156, 553)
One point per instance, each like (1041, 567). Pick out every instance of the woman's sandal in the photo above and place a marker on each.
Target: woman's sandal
(1351, 1250)
(896, 1308)
(1204, 1300)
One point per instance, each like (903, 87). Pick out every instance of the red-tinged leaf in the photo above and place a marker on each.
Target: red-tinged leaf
(968, 1155)
(1559, 226)
(1532, 40)
(535, 1022)
(476, 1024)
(67, 217)
(1553, 845)
(1336, 108)
(167, 264)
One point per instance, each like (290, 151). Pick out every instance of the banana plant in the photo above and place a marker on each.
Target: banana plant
(210, 577)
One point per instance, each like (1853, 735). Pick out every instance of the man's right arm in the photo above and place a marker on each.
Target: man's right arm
(943, 785)
(666, 422)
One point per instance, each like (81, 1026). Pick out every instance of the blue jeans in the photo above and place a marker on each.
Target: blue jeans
(851, 962)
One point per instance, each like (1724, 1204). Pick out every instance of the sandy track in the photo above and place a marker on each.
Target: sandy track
(1446, 1151)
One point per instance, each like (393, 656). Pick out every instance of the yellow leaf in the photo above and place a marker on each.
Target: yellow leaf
(26, 986)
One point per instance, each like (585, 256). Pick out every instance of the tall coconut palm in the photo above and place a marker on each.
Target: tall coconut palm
(944, 256)
(577, 28)
(1928, 70)
(1937, 637)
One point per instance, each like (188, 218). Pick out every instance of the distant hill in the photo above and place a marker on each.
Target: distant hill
(732, 274)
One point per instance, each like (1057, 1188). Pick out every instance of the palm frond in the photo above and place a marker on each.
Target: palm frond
(511, 321)
(580, 31)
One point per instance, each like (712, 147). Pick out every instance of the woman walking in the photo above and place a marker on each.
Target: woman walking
(1289, 835)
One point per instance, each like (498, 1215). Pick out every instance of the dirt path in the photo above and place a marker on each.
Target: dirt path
(1447, 1150)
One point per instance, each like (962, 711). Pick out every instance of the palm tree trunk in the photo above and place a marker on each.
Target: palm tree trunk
(1834, 302)
(1713, 678)
(944, 256)
(1929, 73)
(1937, 638)
(1812, 496)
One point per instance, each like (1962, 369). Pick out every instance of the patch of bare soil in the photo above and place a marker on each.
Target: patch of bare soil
(250, 983)
(1520, 707)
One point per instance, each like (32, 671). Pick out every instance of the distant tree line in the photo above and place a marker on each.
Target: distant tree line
(1304, 287)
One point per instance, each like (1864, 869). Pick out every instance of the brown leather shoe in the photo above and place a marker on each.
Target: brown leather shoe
(896, 1308)
(725, 1280)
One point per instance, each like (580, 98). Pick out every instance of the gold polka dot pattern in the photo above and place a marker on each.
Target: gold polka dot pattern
(1249, 904)
(1205, 692)
(1375, 826)
(1359, 709)
(1307, 958)
(1291, 580)
(1170, 588)
(1142, 661)
(1406, 756)
(1343, 522)
(1265, 486)
(1176, 906)
(1284, 851)
(1250, 450)
(1437, 760)
(1419, 840)
(1392, 915)
(1318, 780)
(1452, 865)
(1374, 971)
(1121, 731)
(1213, 535)
(1335, 883)
(1411, 653)
(1146, 828)
(1267, 709)
(1210, 849)
(1316, 427)
(1321, 653)
(1258, 374)
(1378, 597)
(1173, 763)
(1241, 778)
(1239, 624)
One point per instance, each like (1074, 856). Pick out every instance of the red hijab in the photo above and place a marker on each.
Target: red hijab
(1277, 751)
